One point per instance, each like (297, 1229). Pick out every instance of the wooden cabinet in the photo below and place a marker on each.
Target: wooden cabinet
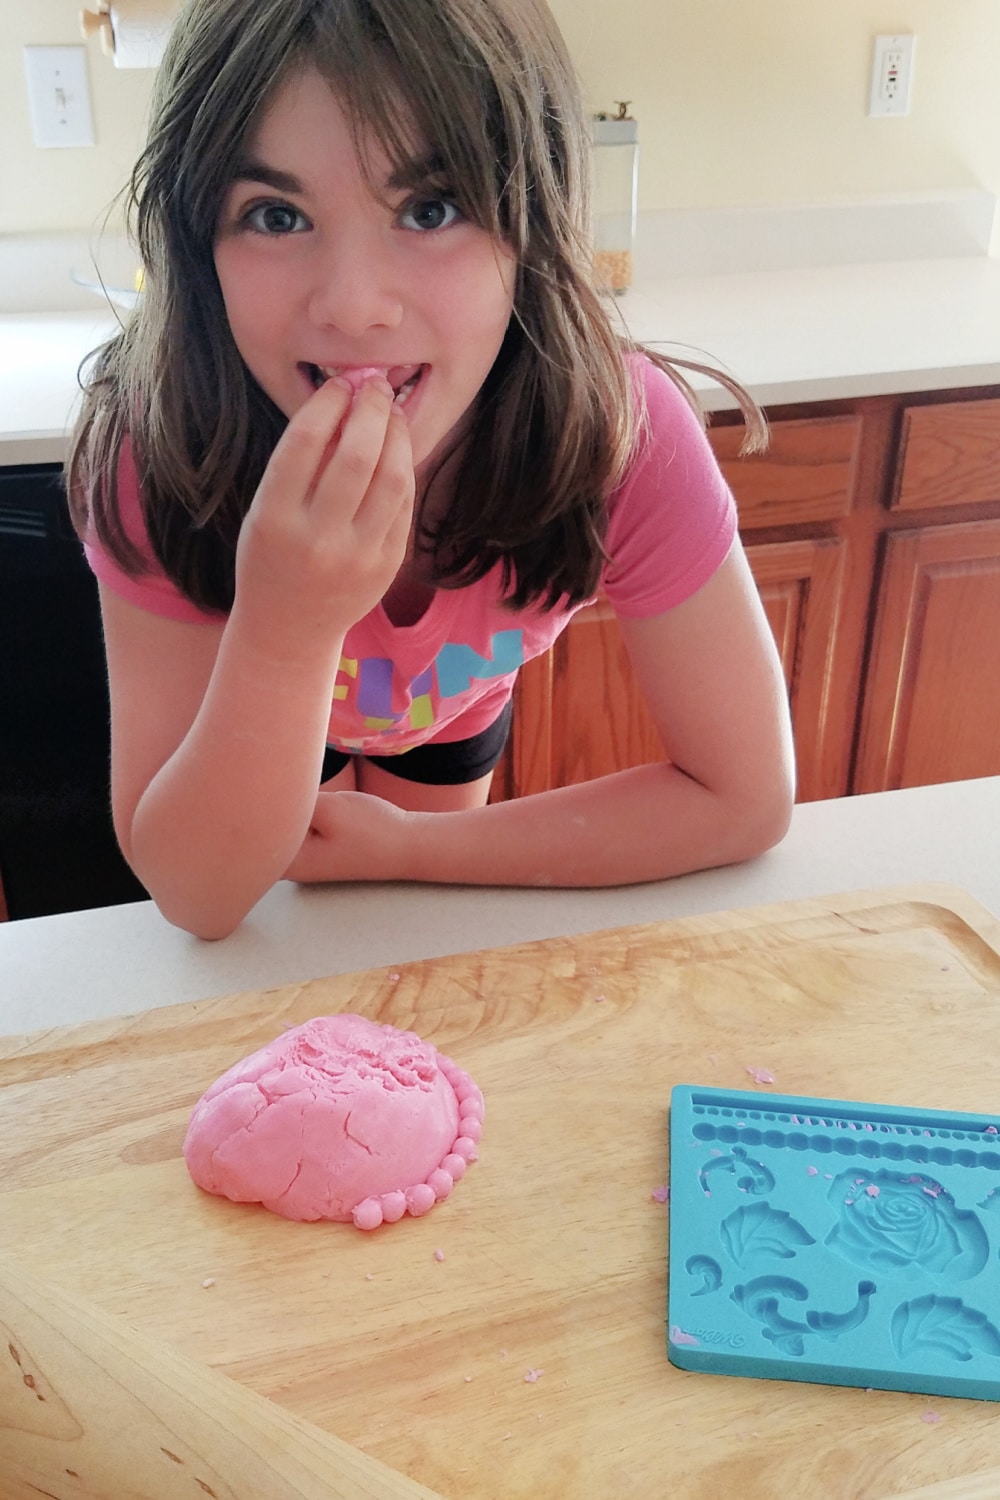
(873, 530)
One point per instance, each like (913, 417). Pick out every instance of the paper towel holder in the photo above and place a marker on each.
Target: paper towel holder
(98, 23)
(133, 33)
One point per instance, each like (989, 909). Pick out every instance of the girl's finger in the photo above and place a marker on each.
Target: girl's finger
(297, 461)
(352, 464)
(387, 509)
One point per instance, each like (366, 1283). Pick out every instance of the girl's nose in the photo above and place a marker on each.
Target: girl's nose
(353, 289)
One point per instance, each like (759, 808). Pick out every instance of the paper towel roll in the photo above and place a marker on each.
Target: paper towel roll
(139, 29)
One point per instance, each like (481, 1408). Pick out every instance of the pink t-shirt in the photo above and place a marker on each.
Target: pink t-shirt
(671, 524)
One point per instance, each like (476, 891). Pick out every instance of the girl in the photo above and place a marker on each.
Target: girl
(367, 445)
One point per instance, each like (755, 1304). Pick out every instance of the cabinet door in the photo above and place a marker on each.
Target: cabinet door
(932, 697)
(577, 711)
(802, 587)
(579, 714)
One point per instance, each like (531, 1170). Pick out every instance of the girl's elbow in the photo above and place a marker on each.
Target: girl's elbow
(767, 816)
(207, 917)
(207, 914)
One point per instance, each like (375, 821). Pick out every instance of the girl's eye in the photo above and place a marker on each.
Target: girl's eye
(429, 213)
(275, 219)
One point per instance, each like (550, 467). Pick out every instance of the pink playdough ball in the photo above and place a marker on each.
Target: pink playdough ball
(368, 1214)
(420, 1199)
(330, 1118)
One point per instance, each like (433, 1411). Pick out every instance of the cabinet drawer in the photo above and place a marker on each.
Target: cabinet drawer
(806, 474)
(949, 455)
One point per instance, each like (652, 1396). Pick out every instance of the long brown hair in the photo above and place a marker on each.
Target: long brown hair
(489, 87)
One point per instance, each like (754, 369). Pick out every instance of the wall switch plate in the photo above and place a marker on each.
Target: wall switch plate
(892, 74)
(59, 96)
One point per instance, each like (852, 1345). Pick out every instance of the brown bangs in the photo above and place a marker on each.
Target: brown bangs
(425, 91)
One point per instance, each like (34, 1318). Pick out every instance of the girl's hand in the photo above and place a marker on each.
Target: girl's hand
(328, 527)
(352, 836)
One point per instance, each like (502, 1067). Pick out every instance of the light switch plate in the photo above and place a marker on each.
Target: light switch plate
(59, 96)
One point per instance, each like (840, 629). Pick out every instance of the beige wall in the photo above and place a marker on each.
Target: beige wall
(738, 102)
(765, 101)
(63, 188)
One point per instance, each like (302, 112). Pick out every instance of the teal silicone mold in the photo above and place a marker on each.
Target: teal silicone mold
(831, 1241)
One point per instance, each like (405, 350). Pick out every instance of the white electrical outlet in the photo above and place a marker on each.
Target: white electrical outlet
(892, 75)
(58, 96)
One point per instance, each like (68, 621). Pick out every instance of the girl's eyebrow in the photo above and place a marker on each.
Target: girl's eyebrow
(259, 171)
(411, 174)
(416, 171)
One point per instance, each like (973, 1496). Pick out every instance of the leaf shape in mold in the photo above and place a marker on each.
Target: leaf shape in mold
(943, 1326)
(760, 1230)
(708, 1270)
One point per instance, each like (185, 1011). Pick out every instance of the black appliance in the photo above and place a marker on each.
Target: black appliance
(57, 846)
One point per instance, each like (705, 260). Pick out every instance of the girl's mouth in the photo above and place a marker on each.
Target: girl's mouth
(404, 379)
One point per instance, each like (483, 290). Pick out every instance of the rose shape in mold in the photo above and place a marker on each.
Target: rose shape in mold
(905, 1223)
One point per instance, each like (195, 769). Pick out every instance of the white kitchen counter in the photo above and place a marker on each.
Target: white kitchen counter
(118, 960)
(820, 333)
(40, 356)
(802, 334)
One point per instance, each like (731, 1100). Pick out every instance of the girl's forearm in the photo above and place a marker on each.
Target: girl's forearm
(220, 821)
(647, 823)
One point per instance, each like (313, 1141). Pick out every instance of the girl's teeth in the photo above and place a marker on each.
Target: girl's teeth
(403, 393)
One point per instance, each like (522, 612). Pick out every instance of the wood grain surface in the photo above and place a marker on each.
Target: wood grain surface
(553, 1248)
(91, 1407)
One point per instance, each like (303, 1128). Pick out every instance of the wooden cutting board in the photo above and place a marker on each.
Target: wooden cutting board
(528, 1357)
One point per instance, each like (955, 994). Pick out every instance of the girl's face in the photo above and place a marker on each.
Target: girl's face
(319, 276)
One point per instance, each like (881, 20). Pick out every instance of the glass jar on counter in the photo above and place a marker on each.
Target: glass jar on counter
(615, 196)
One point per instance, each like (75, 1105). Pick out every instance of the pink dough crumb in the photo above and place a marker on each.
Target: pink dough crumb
(678, 1336)
(439, 1255)
(930, 1416)
(872, 1190)
(760, 1075)
(339, 1118)
(812, 1171)
(661, 1194)
(532, 1376)
(357, 377)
